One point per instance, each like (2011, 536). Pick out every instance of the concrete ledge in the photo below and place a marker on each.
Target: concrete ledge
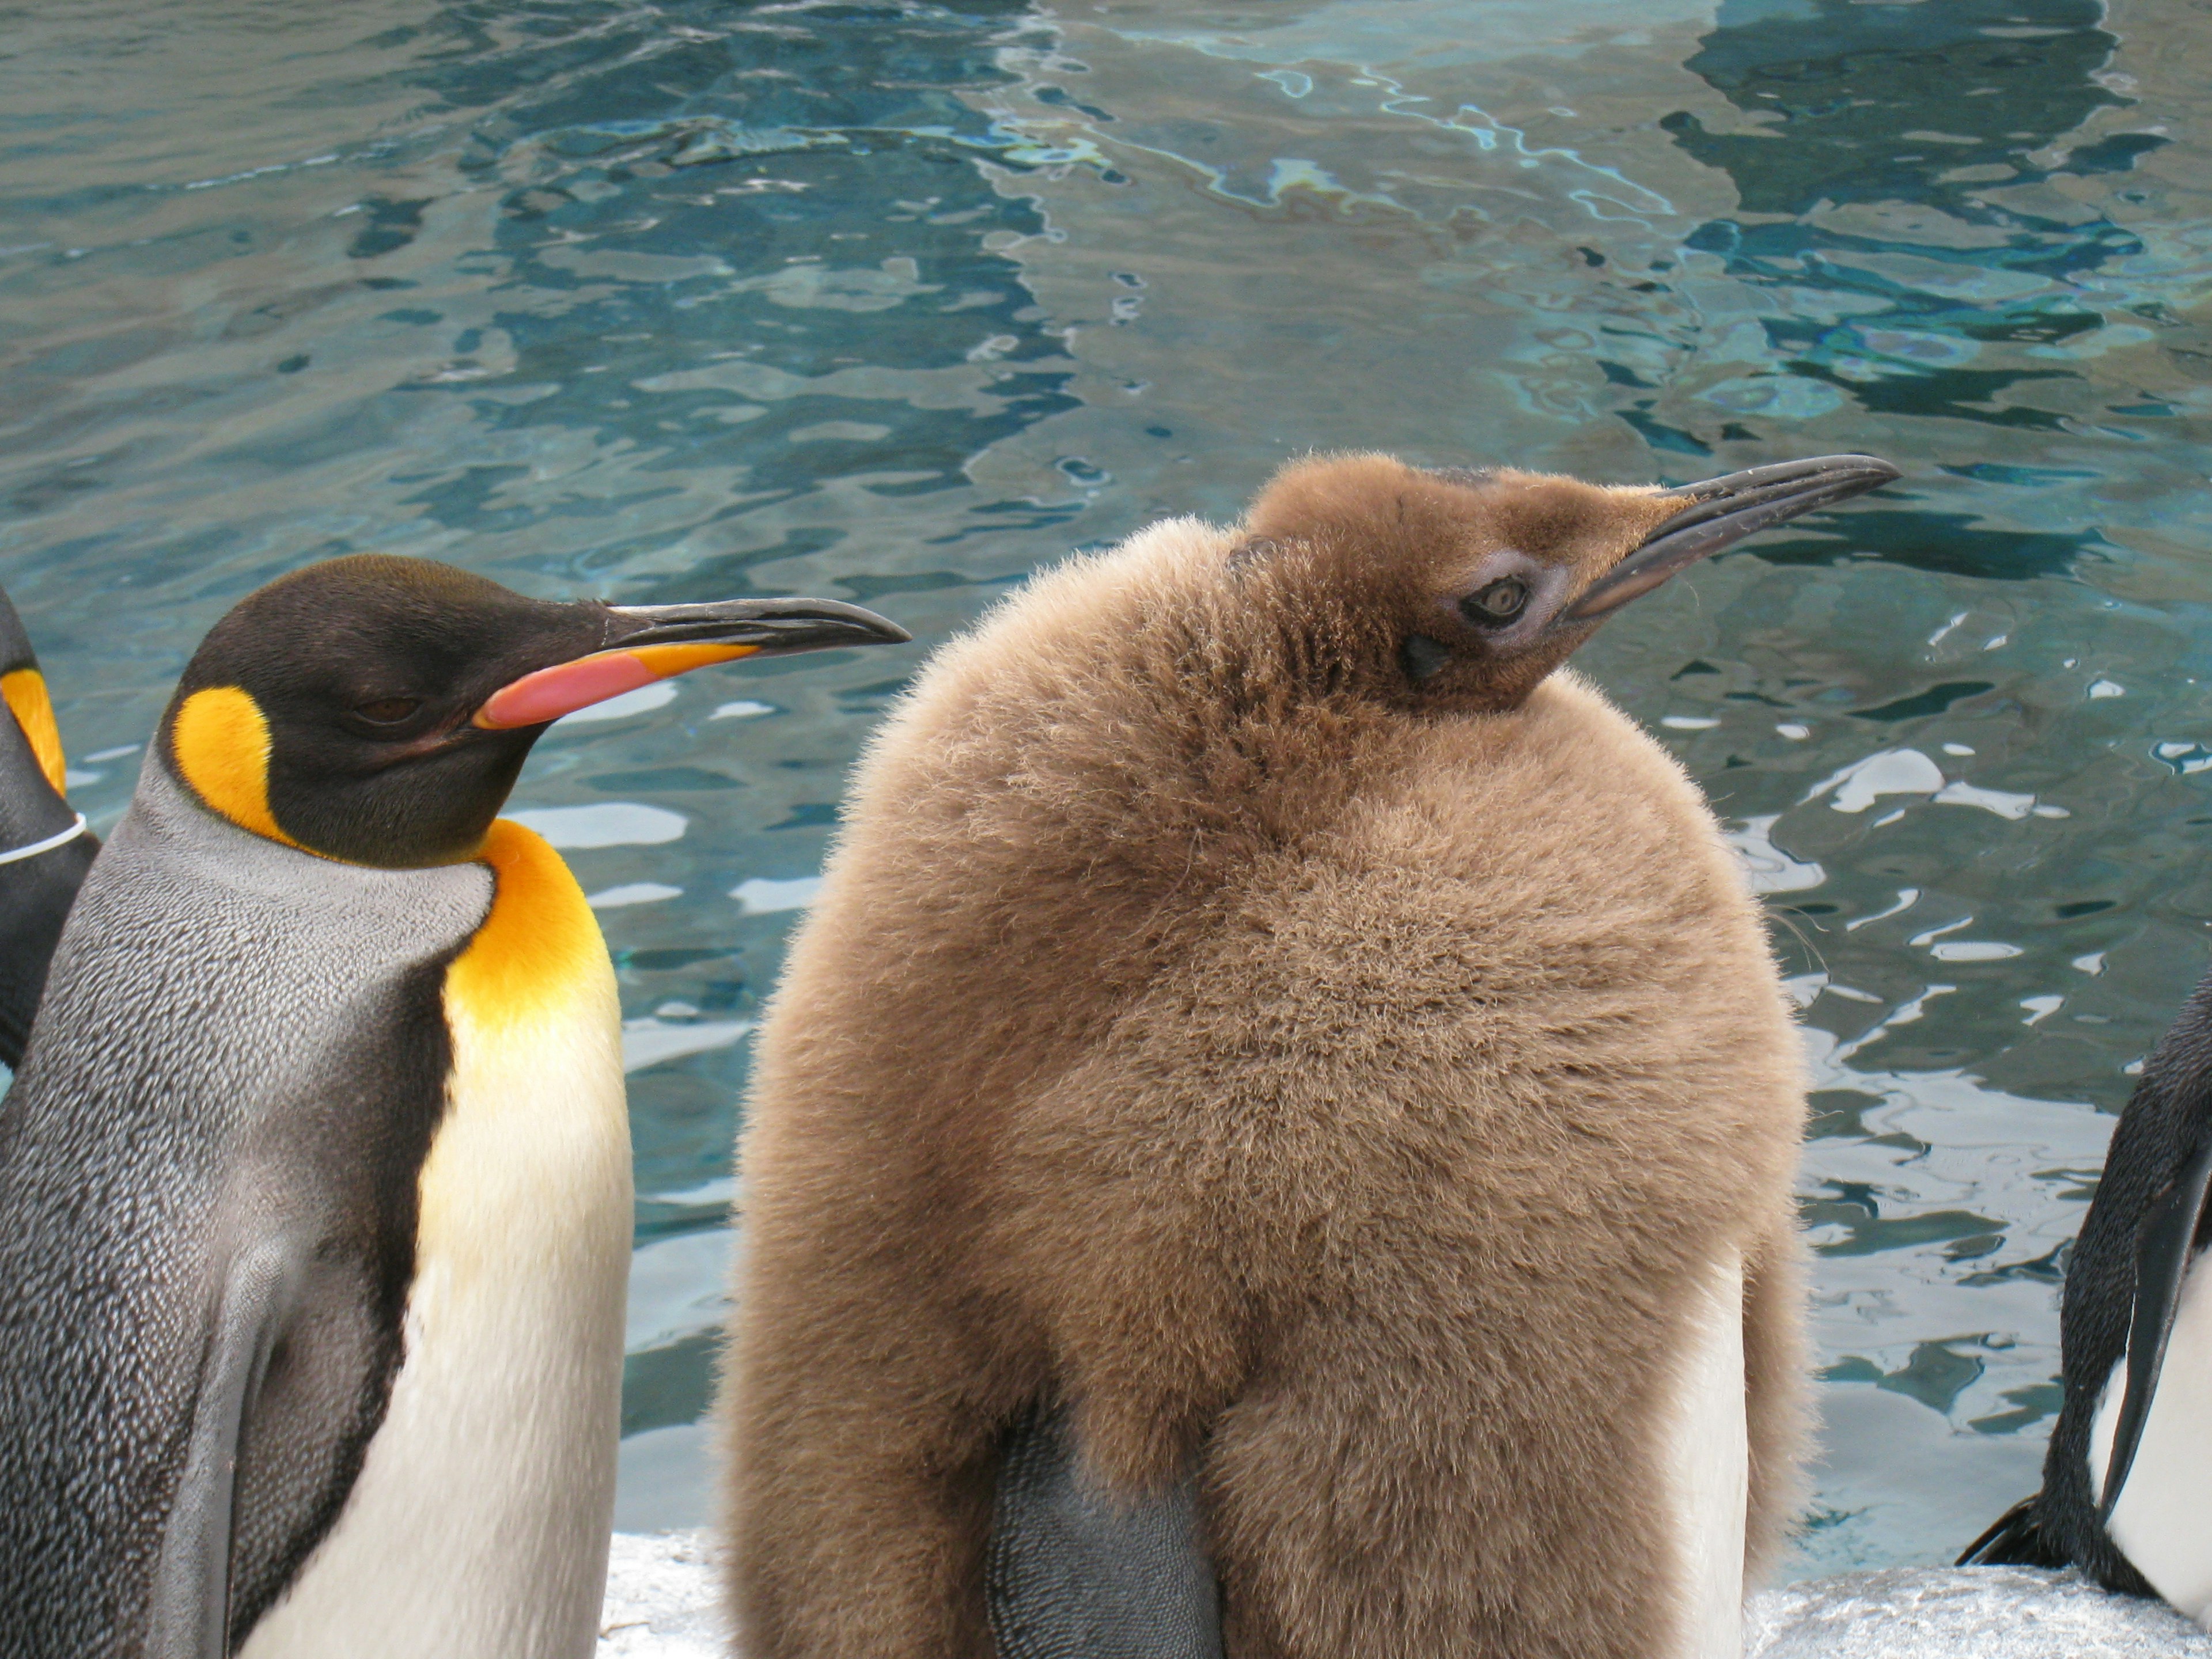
(662, 1596)
(663, 1599)
(1963, 1613)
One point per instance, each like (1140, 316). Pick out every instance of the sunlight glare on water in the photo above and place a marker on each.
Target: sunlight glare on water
(893, 303)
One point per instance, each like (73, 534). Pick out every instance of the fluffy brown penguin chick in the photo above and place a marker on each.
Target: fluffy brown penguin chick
(1259, 1002)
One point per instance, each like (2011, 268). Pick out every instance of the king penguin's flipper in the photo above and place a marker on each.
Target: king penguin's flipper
(2163, 1251)
(1072, 1574)
(293, 1384)
(191, 1614)
(44, 849)
(2018, 1537)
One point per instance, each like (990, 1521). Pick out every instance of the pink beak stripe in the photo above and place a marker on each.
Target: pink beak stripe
(565, 687)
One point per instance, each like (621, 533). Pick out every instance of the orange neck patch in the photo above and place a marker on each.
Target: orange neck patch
(540, 941)
(24, 692)
(220, 741)
(528, 1176)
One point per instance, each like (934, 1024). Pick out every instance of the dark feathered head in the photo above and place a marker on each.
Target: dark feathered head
(377, 709)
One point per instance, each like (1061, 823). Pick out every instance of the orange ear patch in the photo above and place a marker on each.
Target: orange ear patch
(220, 741)
(25, 693)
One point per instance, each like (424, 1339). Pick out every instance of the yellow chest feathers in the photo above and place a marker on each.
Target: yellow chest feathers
(533, 1153)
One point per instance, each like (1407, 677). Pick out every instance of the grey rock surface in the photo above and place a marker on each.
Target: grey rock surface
(663, 1599)
(1963, 1613)
(662, 1604)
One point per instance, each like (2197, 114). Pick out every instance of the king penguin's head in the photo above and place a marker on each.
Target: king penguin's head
(1462, 588)
(377, 709)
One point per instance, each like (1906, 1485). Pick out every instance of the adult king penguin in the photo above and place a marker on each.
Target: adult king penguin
(314, 1184)
(2125, 1479)
(44, 847)
(1266, 1015)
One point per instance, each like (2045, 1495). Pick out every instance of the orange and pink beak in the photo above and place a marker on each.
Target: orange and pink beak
(645, 643)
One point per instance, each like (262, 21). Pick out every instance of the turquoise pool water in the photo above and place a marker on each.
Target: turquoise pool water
(891, 302)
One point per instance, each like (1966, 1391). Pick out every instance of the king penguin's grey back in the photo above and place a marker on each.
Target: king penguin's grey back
(223, 1019)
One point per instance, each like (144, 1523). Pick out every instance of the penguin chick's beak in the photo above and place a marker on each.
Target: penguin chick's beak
(645, 643)
(1722, 512)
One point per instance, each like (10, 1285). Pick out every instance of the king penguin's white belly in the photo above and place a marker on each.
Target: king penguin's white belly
(2163, 1521)
(478, 1527)
(1707, 1461)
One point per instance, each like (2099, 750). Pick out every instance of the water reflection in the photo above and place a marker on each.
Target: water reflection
(1930, 1182)
(1884, 105)
(670, 299)
(1882, 135)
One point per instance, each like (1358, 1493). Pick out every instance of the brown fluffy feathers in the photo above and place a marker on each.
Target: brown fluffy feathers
(1295, 1049)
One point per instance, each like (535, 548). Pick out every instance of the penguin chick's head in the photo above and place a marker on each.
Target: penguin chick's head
(1464, 588)
(377, 709)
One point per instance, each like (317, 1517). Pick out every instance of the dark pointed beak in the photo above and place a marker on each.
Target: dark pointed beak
(766, 628)
(1720, 513)
(648, 642)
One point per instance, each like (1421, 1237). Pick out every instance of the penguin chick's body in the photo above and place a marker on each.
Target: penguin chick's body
(2130, 1455)
(44, 847)
(314, 1185)
(1327, 1051)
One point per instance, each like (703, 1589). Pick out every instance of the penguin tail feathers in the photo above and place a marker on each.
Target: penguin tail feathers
(2017, 1539)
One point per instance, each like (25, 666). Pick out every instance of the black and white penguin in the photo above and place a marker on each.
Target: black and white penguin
(1284, 1087)
(2126, 1479)
(44, 847)
(314, 1184)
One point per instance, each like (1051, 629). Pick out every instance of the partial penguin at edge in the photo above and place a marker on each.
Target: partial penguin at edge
(46, 847)
(2130, 1457)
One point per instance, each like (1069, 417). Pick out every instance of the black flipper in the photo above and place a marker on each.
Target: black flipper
(2018, 1539)
(2163, 1251)
(1072, 1574)
(190, 1615)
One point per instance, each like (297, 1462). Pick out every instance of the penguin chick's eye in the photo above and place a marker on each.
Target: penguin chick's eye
(1496, 603)
(388, 711)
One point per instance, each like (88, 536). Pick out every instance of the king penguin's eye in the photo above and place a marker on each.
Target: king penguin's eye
(388, 711)
(1500, 601)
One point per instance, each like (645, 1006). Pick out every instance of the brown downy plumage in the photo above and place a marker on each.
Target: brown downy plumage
(1259, 1001)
